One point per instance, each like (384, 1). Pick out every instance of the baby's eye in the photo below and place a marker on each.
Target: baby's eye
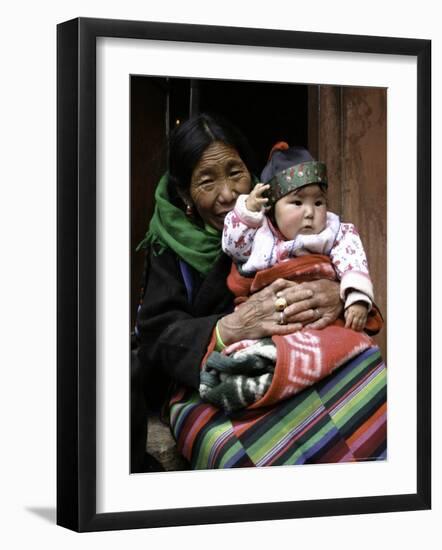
(297, 203)
(319, 203)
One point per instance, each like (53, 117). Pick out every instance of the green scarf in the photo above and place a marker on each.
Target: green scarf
(171, 228)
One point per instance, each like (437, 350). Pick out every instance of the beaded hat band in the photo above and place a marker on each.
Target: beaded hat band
(295, 177)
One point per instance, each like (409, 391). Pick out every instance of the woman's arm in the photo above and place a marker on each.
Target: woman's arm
(174, 334)
(313, 304)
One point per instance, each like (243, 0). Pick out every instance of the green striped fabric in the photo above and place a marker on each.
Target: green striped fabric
(340, 419)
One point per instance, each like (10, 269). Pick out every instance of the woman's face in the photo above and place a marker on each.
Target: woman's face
(217, 180)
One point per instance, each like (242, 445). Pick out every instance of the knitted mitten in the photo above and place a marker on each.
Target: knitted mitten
(234, 391)
(233, 382)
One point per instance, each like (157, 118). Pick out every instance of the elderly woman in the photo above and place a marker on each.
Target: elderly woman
(188, 311)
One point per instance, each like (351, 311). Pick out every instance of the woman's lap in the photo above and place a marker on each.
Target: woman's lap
(340, 419)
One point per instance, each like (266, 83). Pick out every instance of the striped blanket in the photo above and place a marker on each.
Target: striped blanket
(340, 419)
(304, 357)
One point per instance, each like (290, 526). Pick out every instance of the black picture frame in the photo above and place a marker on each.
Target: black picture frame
(76, 273)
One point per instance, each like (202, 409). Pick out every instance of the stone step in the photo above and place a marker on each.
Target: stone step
(161, 445)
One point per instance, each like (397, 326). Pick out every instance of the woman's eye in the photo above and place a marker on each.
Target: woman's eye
(235, 173)
(207, 183)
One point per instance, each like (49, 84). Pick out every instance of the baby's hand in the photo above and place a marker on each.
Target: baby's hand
(255, 202)
(356, 316)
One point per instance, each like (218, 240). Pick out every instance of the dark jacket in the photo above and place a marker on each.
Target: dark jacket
(175, 329)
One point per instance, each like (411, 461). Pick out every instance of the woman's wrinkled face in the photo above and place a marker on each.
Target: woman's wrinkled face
(217, 180)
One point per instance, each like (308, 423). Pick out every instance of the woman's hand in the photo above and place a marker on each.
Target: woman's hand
(257, 317)
(321, 308)
(313, 304)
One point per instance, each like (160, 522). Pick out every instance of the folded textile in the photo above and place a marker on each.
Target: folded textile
(341, 419)
(308, 356)
(234, 381)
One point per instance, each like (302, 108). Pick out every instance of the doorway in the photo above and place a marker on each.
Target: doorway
(345, 127)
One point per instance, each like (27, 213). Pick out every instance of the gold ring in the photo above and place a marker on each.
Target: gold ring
(280, 303)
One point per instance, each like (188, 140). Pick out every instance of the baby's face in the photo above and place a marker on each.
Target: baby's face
(303, 211)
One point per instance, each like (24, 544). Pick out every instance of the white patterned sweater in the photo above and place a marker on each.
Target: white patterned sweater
(253, 243)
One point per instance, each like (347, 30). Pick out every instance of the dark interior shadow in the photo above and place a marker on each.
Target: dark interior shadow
(49, 514)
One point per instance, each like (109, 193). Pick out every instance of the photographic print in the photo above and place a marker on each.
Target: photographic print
(324, 400)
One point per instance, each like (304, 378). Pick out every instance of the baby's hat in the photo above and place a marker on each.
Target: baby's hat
(290, 168)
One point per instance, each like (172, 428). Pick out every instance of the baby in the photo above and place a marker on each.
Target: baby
(286, 216)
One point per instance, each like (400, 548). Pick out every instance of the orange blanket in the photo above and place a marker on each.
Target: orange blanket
(307, 356)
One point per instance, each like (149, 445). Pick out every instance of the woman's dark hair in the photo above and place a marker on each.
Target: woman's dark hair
(189, 141)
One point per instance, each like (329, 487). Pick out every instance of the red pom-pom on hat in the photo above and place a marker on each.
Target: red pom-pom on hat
(279, 146)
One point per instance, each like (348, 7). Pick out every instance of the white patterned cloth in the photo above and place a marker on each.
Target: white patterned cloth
(253, 243)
